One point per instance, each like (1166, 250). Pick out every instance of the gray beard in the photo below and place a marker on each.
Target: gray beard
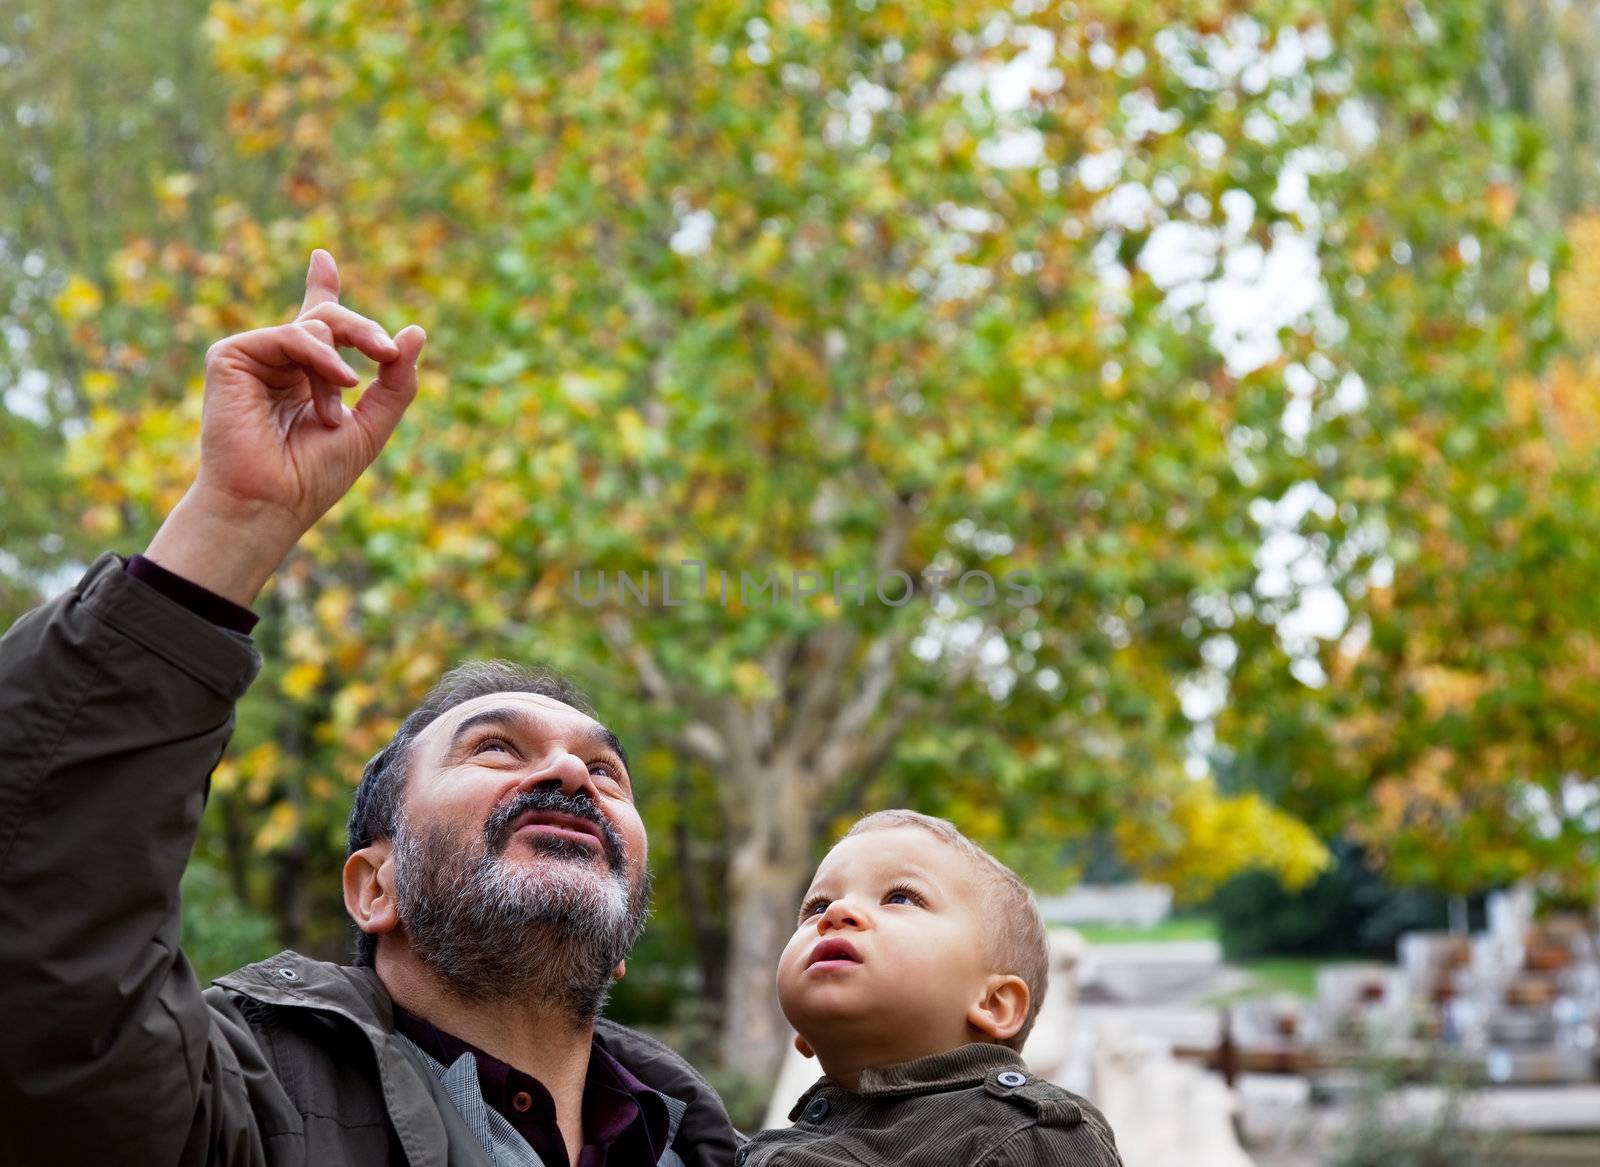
(553, 931)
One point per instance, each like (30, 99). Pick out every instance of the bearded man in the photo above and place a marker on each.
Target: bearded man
(496, 870)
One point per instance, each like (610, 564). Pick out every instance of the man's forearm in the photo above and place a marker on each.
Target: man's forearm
(229, 549)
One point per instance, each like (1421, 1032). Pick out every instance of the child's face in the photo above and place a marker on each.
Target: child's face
(891, 952)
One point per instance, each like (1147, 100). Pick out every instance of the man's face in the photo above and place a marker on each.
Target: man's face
(890, 950)
(479, 756)
(520, 856)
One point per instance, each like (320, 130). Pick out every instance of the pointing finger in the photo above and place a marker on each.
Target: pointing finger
(322, 281)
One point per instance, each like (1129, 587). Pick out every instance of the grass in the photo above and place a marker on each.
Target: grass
(1176, 928)
(1284, 974)
(1271, 975)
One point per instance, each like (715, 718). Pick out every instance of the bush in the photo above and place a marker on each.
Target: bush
(1349, 910)
(220, 933)
(1379, 1133)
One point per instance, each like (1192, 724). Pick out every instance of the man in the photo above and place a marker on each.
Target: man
(496, 870)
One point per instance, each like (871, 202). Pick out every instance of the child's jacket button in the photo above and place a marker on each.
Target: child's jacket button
(1011, 1078)
(817, 1110)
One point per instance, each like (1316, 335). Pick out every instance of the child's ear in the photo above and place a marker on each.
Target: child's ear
(804, 1047)
(1000, 1012)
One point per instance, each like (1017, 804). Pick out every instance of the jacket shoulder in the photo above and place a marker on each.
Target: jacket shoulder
(307, 1032)
(1065, 1130)
(706, 1137)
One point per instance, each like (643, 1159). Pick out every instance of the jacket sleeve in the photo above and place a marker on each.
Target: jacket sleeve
(115, 704)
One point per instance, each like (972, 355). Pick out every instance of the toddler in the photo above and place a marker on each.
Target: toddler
(914, 975)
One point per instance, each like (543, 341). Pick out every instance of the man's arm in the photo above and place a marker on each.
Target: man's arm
(115, 704)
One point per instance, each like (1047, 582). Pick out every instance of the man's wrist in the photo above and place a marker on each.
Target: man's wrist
(203, 602)
(227, 548)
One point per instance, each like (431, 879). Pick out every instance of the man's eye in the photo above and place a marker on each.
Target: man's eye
(491, 743)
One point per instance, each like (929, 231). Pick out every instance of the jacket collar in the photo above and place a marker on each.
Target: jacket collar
(355, 993)
(299, 982)
(966, 1065)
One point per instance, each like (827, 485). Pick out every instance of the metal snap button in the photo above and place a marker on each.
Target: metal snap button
(817, 1110)
(1012, 1078)
(288, 974)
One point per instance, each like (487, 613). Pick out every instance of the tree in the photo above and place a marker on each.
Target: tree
(1454, 722)
(846, 298)
(108, 137)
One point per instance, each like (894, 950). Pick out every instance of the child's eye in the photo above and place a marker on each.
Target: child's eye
(902, 895)
(813, 907)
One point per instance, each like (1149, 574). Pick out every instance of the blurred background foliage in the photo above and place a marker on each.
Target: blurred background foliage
(1259, 338)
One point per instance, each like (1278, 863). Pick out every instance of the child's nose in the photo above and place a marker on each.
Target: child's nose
(839, 915)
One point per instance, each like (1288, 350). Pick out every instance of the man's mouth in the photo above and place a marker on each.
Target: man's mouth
(833, 954)
(553, 824)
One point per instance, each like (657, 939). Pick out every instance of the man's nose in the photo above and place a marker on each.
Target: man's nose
(560, 768)
(841, 914)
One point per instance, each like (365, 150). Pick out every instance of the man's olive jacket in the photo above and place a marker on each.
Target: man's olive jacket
(115, 704)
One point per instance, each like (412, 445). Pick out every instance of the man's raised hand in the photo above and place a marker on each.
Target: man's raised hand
(278, 446)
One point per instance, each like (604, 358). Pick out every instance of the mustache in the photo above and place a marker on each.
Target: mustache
(498, 828)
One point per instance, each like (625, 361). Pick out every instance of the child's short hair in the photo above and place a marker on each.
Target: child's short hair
(1018, 945)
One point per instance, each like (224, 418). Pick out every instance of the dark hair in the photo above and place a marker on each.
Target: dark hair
(375, 814)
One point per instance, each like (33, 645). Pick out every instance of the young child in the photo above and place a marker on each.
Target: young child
(914, 975)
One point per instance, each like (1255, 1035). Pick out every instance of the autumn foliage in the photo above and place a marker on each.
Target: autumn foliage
(827, 289)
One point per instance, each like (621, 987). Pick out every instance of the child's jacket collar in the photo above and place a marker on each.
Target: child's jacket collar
(967, 1065)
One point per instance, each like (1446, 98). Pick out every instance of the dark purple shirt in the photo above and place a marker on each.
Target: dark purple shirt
(624, 1121)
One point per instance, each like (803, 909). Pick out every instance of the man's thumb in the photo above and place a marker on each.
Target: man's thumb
(386, 399)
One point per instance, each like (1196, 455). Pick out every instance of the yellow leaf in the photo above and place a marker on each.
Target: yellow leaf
(630, 431)
(750, 680)
(279, 829)
(333, 608)
(79, 299)
(98, 384)
(225, 777)
(300, 680)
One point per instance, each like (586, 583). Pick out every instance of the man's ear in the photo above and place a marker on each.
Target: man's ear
(620, 971)
(804, 1047)
(369, 889)
(1002, 1009)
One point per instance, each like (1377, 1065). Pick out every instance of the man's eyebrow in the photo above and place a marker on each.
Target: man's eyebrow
(612, 742)
(517, 719)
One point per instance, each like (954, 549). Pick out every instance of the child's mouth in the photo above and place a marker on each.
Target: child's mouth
(833, 954)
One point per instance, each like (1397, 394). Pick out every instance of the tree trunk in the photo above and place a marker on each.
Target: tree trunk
(766, 875)
(710, 939)
(761, 920)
